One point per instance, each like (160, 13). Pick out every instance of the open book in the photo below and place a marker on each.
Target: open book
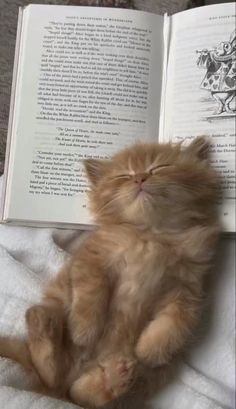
(89, 81)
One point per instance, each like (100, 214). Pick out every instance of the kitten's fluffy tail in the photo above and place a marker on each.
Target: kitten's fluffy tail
(17, 350)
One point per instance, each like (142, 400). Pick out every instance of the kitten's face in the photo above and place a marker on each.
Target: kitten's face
(152, 185)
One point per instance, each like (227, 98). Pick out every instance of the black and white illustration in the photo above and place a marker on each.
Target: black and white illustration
(220, 76)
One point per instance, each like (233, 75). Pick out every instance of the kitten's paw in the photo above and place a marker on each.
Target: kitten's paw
(107, 382)
(89, 391)
(119, 374)
(43, 322)
(151, 354)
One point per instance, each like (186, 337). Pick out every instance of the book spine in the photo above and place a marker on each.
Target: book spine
(166, 46)
(11, 113)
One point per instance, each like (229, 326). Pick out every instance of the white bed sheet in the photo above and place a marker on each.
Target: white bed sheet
(30, 256)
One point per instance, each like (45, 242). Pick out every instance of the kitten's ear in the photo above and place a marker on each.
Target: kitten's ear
(199, 147)
(95, 169)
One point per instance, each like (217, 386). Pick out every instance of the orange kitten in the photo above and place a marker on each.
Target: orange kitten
(132, 295)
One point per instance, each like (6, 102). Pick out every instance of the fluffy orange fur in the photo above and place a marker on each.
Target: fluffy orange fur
(132, 295)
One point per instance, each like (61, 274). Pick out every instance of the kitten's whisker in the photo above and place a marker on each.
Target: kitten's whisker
(108, 203)
(117, 196)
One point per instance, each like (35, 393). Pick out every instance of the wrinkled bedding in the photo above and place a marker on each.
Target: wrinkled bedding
(30, 256)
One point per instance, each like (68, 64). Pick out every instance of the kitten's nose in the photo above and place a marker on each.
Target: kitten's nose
(140, 178)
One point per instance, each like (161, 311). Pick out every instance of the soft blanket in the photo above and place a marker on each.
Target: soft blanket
(30, 256)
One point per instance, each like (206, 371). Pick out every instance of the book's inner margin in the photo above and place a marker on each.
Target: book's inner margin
(166, 49)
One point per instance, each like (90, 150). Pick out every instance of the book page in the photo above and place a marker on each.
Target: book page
(201, 89)
(89, 83)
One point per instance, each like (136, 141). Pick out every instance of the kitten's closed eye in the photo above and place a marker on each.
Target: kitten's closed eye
(150, 171)
(121, 176)
(155, 169)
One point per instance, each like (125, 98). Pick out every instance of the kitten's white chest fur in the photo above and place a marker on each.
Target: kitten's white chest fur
(139, 270)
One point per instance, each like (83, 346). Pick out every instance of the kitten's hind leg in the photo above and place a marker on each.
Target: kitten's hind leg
(104, 382)
(45, 331)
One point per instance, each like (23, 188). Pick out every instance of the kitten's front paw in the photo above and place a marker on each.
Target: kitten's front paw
(43, 322)
(107, 382)
(151, 354)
